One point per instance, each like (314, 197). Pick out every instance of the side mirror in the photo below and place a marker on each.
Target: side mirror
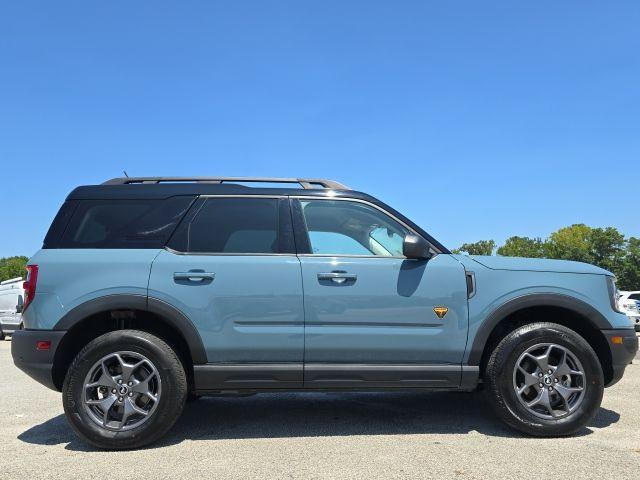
(20, 305)
(416, 247)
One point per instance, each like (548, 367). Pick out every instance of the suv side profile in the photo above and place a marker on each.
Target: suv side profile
(151, 290)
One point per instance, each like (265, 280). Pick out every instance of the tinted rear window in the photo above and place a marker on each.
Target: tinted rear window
(237, 225)
(137, 223)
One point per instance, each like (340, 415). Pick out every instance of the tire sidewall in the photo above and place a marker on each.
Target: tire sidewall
(173, 394)
(509, 351)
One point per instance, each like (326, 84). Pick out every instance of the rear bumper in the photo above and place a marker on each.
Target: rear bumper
(8, 327)
(622, 354)
(38, 364)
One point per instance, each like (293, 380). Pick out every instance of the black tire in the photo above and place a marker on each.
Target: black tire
(499, 379)
(170, 404)
(1, 336)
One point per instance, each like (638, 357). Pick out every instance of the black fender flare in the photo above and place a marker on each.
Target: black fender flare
(171, 315)
(593, 316)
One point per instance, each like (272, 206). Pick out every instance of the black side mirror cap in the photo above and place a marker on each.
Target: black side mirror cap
(416, 247)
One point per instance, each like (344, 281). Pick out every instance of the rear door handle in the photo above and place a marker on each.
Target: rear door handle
(194, 276)
(338, 277)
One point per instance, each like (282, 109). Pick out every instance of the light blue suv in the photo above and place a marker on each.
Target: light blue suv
(148, 291)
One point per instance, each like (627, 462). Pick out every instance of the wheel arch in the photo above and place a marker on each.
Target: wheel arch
(117, 312)
(568, 311)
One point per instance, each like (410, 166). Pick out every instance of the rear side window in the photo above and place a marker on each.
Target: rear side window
(238, 226)
(635, 296)
(135, 223)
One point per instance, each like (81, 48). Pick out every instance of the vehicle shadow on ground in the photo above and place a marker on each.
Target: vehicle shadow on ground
(317, 415)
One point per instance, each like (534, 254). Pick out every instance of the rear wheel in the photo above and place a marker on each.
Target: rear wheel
(124, 390)
(544, 379)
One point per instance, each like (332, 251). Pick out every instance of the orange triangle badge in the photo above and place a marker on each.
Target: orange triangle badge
(440, 311)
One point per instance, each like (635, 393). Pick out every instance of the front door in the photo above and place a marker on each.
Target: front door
(373, 317)
(233, 271)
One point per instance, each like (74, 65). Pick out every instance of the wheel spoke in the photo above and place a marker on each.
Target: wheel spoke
(128, 368)
(104, 403)
(566, 392)
(529, 378)
(142, 387)
(129, 409)
(545, 401)
(105, 380)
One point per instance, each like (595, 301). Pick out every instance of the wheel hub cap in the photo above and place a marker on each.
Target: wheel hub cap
(549, 380)
(121, 391)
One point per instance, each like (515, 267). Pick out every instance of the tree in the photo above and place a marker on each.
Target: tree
(604, 247)
(12, 267)
(522, 247)
(607, 248)
(481, 247)
(628, 274)
(570, 243)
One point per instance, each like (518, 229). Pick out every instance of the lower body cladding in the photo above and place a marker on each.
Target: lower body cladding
(34, 352)
(624, 346)
(227, 378)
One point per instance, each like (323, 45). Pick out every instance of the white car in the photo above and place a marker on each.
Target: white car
(11, 301)
(630, 304)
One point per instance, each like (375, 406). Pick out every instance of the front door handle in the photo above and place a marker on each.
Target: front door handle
(338, 277)
(194, 276)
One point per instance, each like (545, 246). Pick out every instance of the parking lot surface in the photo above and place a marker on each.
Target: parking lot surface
(321, 436)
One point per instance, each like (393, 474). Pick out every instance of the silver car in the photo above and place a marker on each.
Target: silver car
(11, 302)
(630, 303)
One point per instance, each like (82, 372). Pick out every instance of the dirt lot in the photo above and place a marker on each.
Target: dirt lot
(324, 436)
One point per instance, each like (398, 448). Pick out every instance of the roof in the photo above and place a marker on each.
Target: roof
(165, 187)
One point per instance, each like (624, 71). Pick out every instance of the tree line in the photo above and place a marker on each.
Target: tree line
(604, 247)
(12, 267)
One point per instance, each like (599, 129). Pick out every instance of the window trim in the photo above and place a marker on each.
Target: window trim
(203, 200)
(300, 228)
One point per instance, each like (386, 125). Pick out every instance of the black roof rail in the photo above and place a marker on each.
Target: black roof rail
(306, 183)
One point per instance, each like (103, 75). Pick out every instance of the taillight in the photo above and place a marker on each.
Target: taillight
(29, 285)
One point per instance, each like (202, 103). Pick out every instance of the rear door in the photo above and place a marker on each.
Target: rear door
(374, 317)
(232, 270)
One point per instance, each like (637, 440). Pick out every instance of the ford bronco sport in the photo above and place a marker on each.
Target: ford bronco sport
(150, 290)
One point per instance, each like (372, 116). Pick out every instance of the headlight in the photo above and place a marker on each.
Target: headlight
(613, 294)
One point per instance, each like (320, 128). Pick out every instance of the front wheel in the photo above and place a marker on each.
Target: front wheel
(124, 390)
(544, 380)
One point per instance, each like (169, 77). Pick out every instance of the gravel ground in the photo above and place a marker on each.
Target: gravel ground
(321, 436)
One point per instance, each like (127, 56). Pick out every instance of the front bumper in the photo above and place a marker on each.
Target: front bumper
(38, 364)
(622, 354)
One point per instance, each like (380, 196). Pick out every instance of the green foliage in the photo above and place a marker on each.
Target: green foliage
(570, 243)
(481, 247)
(628, 274)
(12, 267)
(522, 247)
(604, 247)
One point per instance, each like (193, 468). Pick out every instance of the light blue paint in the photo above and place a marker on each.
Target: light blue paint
(70, 277)
(273, 308)
(251, 312)
(386, 315)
